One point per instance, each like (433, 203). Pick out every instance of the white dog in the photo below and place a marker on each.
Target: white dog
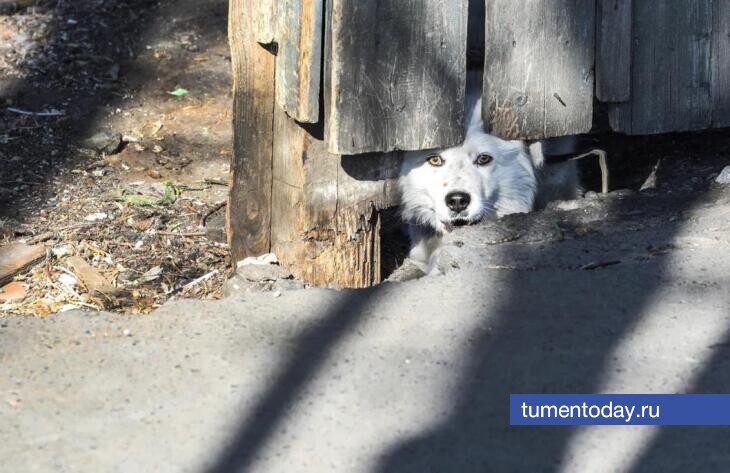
(484, 177)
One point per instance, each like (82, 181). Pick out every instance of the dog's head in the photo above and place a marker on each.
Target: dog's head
(483, 176)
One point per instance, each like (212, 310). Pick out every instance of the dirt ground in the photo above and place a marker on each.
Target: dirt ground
(115, 142)
(114, 146)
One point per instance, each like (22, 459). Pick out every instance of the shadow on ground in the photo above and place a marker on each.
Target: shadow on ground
(539, 340)
(96, 66)
(75, 70)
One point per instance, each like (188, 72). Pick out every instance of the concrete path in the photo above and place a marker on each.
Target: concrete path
(627, 293)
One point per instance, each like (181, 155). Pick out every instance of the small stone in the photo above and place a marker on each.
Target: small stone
(68, 280)
(67, 308)
(591, 195)
(108, 143)
(651, 180)
(724, 177)
(288, 285)
(13, 292)
(568, 205)
(126, 332)
(61, 251)
(96, 217)
(622, 192)
(265, 259)
(270, 272)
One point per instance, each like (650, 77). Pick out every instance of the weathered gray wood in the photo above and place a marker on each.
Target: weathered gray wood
(539, 56)
(569, 58)
(513, 93)
(670, 69)
(613, 51)
(397, 74)
(298, 62)
(265, 21)
(721, 64)
(249, 200)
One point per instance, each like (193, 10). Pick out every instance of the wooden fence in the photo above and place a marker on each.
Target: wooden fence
(327, 92)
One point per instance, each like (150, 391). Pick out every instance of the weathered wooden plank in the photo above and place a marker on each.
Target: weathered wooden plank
(299, 57)
(397, 74)
(569, 58)
(513, 93)
(249, 201)
(670, 69)
(539, 56)
(325, 208)
(265, 27)
(18, 257)
(721, 64)
(94, 282)
(613, 51)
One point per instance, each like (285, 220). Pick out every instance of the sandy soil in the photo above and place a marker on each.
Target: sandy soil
(70, 71)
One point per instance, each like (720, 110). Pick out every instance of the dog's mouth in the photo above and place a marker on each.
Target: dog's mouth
(457, 222)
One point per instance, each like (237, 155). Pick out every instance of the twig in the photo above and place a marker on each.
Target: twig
(213, 210)
(601, 154)
(215, 182)
(598, 264)
(40, 238)
(201, 279)
(52, 113)
(76, 226)
(189, 234)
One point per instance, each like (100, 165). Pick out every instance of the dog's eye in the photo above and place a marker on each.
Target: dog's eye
(435, 160)
(483, 159)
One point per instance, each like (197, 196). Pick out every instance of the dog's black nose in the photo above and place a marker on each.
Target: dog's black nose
(457, 201)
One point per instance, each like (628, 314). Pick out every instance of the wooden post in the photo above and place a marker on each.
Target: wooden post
(249, 201)
(325, 218)
(319, 212)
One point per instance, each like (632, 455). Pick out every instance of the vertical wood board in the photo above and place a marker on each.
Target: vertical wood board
(249, 200)
(299, 58)
(569, 59)
(397, 72)
(671, 71)
(539, 57)
(721, 64)
(613, 51)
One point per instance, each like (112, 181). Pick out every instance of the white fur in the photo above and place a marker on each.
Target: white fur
(508, 184)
